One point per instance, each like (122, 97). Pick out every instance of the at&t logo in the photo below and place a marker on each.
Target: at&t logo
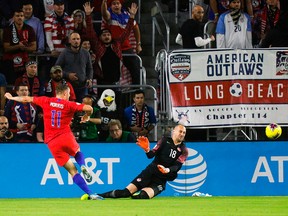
(192, 175)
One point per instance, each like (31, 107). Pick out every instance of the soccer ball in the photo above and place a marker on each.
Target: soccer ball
(236, 90)
(273, 131)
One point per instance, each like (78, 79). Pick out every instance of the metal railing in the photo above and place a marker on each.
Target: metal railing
(165, 105)
(209, 29)
(139, 12)
(156, 10)
(162, 67)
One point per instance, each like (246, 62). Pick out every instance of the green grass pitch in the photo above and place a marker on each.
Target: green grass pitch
(178, 206)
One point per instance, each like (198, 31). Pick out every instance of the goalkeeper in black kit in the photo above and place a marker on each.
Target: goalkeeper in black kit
(169, 154)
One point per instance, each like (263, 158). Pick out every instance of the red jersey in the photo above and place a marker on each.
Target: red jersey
(57, 115)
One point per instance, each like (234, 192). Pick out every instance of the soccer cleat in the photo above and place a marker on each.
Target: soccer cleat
(95, 197)
(85, 197)
(87, 175)
(91, 197)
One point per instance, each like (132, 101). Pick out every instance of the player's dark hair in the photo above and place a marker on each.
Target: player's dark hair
(61, 88)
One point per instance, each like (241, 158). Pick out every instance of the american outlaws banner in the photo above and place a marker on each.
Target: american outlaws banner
(229, 87)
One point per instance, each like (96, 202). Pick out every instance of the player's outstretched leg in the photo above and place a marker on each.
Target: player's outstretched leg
(80, 182)
(80, 159)
(116, 194)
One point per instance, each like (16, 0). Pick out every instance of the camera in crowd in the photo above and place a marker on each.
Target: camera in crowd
(8, 133)
(78, 129)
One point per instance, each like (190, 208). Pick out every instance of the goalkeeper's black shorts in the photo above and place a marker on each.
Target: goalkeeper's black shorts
(151, 177)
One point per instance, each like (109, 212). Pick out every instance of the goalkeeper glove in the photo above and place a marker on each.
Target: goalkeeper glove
(163, 169)
(143, 142)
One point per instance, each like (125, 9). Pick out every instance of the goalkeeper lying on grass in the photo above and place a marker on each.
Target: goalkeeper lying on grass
(170, 153)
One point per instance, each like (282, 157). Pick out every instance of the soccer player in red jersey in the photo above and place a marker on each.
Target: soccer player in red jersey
(58, 112)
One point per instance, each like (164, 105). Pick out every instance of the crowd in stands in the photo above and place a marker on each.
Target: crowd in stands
(238, 24)
(71, 50)
(75, 51)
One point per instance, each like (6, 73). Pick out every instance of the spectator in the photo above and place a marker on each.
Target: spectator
(88, 130)
(48, 8)
(234, 28)
(96, 4)
(79, 22)
(3, 84)
(22, 117)
(278, 36)
(115, 18)
(116, 134)
(108, 51)
(109, 110)
(45, 9)
(265, 20)
(252, 9)
(8, 7)
(5, 134)
(79, 17)
(36, 24)
(57, 27)
(56, 75)
(85, 44)
(77, 66)
(253, 6)
(140, 118)
(217, 7)
(30, 78)
(190, 35)
(18, 41)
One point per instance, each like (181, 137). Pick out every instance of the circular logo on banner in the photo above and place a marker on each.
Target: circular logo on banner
(236, 90)
(192, 175)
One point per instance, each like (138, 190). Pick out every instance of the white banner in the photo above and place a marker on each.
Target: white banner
(229, 88)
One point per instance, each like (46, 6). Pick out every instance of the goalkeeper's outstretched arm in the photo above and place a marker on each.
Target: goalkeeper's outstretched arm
(144, 143)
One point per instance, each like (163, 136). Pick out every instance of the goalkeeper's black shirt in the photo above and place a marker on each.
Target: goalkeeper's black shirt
(168, 154)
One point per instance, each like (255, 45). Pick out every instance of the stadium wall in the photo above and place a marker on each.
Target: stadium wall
(217, 168)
